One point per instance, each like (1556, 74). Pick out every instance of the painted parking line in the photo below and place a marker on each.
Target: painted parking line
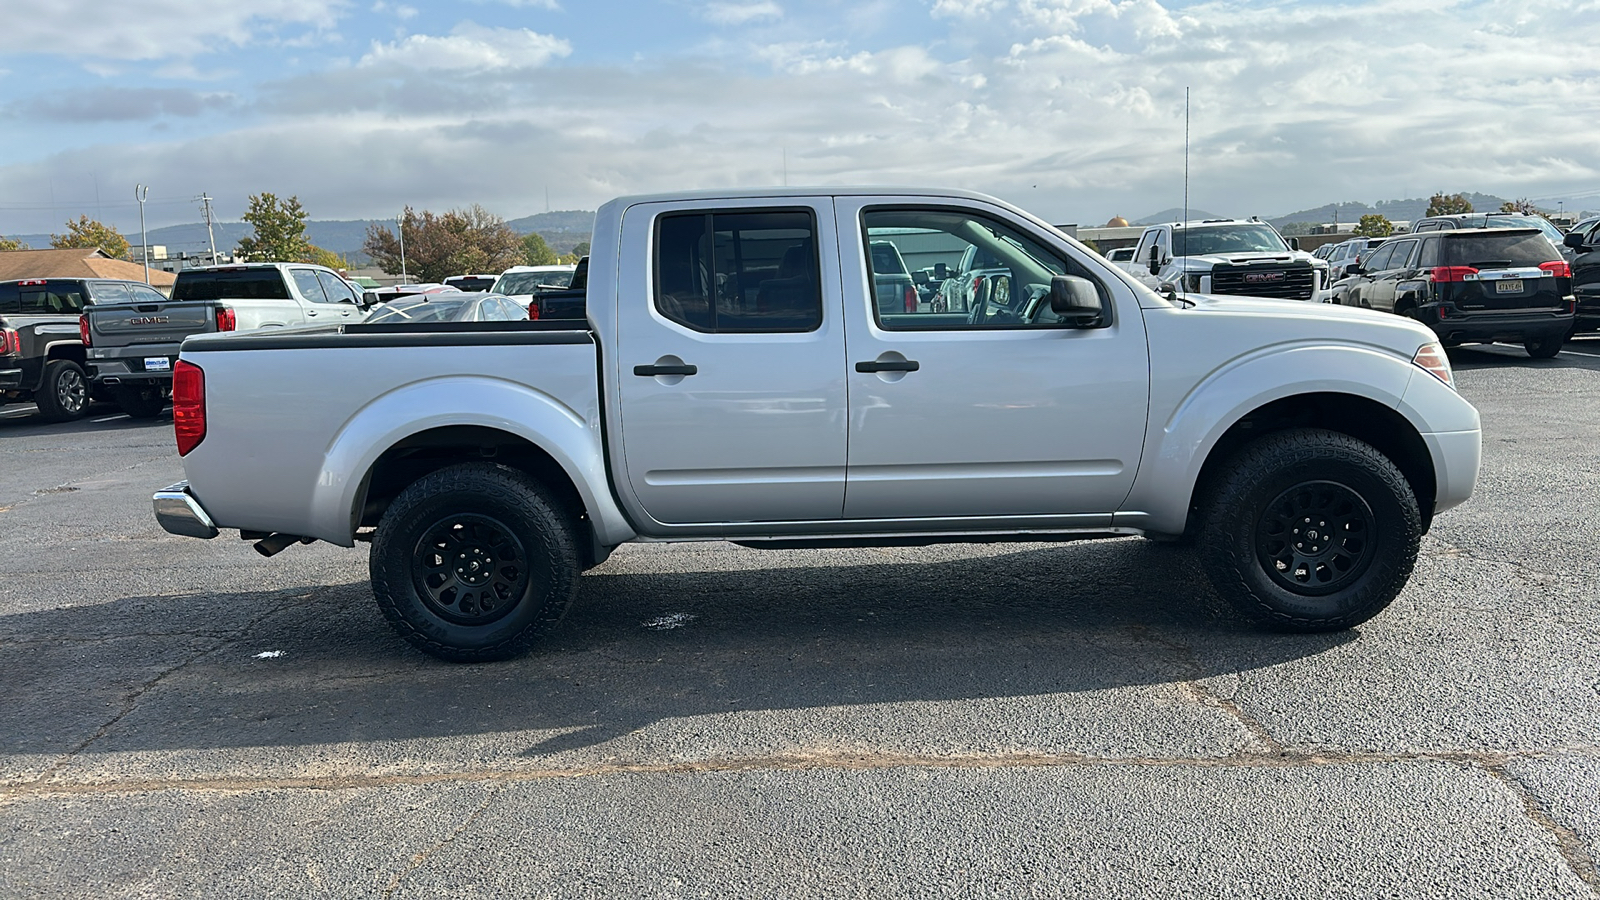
(1581, 353)
(112, 418)
(16, 413)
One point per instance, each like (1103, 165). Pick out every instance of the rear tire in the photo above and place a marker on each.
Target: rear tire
(473, 562)
(63, 393)
(1546, 347)
(1310, 530)
(141, 402)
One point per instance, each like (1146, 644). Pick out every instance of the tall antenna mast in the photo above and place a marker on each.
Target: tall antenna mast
(1185, 249)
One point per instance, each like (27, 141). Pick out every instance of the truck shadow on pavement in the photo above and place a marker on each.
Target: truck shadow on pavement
(1579, 353)
(719, 635)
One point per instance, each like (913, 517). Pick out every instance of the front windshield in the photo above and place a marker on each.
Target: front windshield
(1224, 239)
(525, 282)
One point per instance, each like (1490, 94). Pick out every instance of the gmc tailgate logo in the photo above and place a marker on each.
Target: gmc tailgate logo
(148, 320)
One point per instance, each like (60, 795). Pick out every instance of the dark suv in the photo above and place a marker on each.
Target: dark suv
(41, 348)
(1473, 285)
(1584, 243)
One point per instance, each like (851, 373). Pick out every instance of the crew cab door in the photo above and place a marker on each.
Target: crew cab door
(729, 364)
(1005, 411)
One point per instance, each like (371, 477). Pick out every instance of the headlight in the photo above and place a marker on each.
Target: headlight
(1192, 282)
(1431, 358)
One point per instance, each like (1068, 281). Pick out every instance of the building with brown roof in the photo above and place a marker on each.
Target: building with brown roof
(77, 263)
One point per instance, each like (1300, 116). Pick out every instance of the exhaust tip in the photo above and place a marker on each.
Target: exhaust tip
(275, 543)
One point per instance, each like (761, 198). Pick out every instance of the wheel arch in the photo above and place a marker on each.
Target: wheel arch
(411, 432)
(1359, 417)
(1354, 391)
(68, 350)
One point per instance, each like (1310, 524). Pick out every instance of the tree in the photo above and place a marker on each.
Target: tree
(1374, 225)
(280, 231)
(1442, 204)
(89, 234)
(535, 252)
(9, 244)
(1521, 205)
(460, 242)
(318, 256)
(582, 249)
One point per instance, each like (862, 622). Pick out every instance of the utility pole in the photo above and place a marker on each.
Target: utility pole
(401, 222)
(210, 237)
(142, 193)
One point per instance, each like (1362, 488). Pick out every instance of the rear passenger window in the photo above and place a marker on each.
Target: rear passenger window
(739, 271)
(55, 298)
(1430, 255)
(306, 281)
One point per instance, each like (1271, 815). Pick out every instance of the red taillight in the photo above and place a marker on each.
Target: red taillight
(911, 298)
(10, 342)
(83, 329)
(188, 405)
(226, 319)
(1448, 274)
(1557, 267)
(533, 310)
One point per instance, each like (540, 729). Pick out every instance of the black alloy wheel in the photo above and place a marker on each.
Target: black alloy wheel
(1316, 538)
(470, 569)
(64, 393)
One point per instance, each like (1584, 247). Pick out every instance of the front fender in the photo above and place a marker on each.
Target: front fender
(1178, 444)
(573, 441)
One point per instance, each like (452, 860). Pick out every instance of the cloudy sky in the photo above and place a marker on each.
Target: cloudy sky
(1071, 108)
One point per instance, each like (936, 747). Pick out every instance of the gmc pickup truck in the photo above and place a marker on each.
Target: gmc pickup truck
(737, 380)
(1245, 257)
(131, 346)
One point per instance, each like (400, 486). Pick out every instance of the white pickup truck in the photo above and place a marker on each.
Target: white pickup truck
(1244, 257)
(736, 380)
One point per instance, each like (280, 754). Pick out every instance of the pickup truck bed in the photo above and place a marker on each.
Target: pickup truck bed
(736, 379)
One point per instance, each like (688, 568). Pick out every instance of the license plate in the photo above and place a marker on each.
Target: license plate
(1508, 286)
(157, 364)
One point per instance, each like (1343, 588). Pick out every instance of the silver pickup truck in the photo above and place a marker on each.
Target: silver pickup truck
(736, 380)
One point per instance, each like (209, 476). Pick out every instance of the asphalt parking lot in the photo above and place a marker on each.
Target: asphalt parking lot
(184, 717)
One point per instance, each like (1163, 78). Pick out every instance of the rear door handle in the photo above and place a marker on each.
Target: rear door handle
(665, 370)
(889, 365)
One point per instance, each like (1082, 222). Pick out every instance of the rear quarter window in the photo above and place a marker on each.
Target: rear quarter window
(246, 284)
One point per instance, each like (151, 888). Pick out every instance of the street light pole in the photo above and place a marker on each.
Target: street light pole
(142, 193)
(401, 223)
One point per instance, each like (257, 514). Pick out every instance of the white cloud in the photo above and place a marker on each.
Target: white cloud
(1293, 105)
(469, 47)
(732, 13)
(157, 29)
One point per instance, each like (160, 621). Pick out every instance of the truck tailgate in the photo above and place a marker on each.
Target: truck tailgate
(120, 325)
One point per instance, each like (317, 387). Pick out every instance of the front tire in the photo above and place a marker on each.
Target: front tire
(63, 394)
(1310, 530)
(473, 562)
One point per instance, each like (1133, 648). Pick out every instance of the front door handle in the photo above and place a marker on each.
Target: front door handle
(665, 370)
(889, 365)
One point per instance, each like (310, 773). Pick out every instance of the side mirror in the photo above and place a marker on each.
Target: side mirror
(941, 271)
(369, 299)
(1154, 259)
(1573, 239)
(1294, 243)
(1077, 300)
(1354, 269)
(919, 277)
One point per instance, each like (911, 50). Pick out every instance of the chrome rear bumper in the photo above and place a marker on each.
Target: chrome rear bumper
(179, 513)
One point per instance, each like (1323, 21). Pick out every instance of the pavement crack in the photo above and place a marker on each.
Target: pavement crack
(820, 761)
(419, 859)
(1568, 844)
(131, 701)
(1194, 685)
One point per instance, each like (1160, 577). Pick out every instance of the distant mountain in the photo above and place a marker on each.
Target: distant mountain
(1175, 215)
(1393, 210)
(566, 221)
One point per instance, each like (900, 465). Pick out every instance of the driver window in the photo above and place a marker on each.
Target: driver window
(915, 266)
